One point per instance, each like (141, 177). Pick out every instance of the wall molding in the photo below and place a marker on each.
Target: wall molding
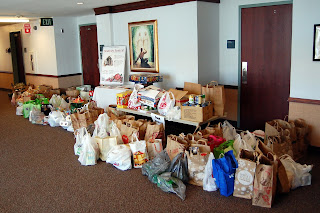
(142, 5)
(304, 101)
(6, 72)
(53, 76)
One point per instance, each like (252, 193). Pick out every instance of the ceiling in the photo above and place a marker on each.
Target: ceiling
(50, 8)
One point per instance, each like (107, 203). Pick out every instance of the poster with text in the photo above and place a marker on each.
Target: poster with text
(112, 65)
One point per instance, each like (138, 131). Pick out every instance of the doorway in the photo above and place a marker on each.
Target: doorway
(265, 64)
(89, 52)
(17, 58)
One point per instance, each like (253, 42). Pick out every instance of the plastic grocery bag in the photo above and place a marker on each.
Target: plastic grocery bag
(297, 174)
(166, 103)
(139, 152)
(101, 126)
(90, 151)
(55, 117)
(57, 101)
(19, 110)
(179, 167)
(171, 184)
(229, 132)
(114, 131)
(239, 144)
(36, 116)
(120, 157)
(159, 164)
(133, 102)
(174, 113)
(209, 183)
(79, 135)
(249, 138)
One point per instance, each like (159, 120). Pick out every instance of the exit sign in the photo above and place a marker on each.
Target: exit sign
(46, 22)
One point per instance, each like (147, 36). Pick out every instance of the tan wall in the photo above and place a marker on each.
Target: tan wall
(311, 114)
(61, 82)
(65, 82)
(231, 104)
(6, 79)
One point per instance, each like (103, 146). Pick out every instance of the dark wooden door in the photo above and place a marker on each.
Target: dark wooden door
(17, 58)
(89, 51)
(266, 47)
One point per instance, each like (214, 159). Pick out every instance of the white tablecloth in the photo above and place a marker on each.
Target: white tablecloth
(106, 96)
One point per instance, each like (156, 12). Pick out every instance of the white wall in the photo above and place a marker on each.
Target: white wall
(208, 42)
(177, 38)
(5, 58)
(305, 73)
(67, 45)
(229, 30)
(40, 41)
(88, 19)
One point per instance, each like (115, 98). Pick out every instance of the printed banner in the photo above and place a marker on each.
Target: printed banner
(112, 65)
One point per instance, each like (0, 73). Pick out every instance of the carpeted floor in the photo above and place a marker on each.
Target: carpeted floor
(40, 173)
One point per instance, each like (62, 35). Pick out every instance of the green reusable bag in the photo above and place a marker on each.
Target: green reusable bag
(223, 148)
(28, 106)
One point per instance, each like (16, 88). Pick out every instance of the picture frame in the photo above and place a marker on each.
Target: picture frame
(143, 43)
(316, 43)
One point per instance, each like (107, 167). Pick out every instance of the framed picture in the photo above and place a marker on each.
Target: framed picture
(143, 43)
(316, 43)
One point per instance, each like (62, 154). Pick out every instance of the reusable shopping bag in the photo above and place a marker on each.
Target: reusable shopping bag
(223, 148)
(105, 144)
(209, 183)
(223, 172)
(120, 157)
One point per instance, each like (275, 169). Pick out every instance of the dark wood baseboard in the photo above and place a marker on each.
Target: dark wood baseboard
(6, 72)
(54, 76)
(142, 5)
(304, 101)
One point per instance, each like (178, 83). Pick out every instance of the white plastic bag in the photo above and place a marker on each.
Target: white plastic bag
(19, 110)
(239, 144)
(133, 102)
(229, 132)
(114, 131)
(166, 103)
(55, 117)
(90, 151)
(139, 152)
(249, 138)
(101, 126)
(174, 113)
(208, 181)
(57, 101)
(299, 174)
(120, 157)
(79, 135)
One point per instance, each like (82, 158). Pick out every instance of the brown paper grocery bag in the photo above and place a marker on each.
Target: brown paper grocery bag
(196, 167)
(175, 145)
(127, 131)
(243, 185)
(203, 146)
(155, 131)
(216, 94)
(264, 185)
(154, 147)
(75, 121)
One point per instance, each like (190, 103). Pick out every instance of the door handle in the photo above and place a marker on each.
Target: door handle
(244, 72)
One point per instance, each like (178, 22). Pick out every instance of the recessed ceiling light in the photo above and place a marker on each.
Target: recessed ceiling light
(79, 3)
(13, 20)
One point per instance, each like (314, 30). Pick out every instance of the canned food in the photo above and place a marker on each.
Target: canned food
(191, 99)
(203, 96)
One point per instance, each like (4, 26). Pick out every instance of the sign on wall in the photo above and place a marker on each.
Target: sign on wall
(46, 22)
(27, 28)
(112, 65)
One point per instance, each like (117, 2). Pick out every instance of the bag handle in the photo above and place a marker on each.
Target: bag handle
(202, 141)
(134, 135)
(198, 128)
(212, 83)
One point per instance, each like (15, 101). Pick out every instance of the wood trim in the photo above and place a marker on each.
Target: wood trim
(53, 76)
(304, 101)
(142, 5)
(6, 72)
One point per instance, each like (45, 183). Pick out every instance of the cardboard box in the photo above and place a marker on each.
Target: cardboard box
(193, 88)
(180, 96)
(197, 114)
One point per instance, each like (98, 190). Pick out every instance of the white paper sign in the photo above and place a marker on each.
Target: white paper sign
(112, 65)
(158, 118)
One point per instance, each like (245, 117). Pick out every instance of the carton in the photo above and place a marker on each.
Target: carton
(196, 114)
(180, 96)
